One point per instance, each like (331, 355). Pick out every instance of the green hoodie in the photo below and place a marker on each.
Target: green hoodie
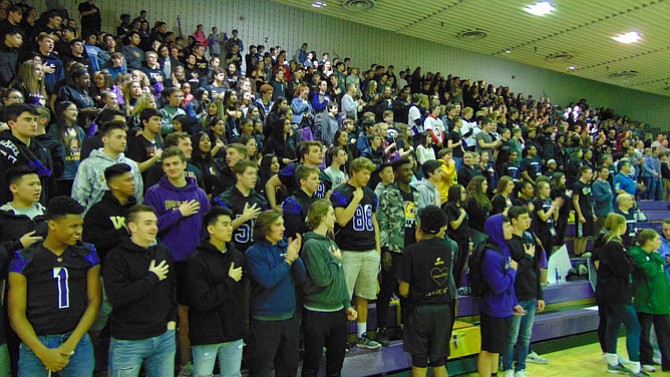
(652, 293)
(326, 288)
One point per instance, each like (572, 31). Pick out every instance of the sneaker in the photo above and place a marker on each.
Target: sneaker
(508, 373)
(617, 369)
(365, 342)
(382, 337)
(520, 373)
(534, 358)
(640, 374)
(186, 370)
(649, 368)
(623, 360)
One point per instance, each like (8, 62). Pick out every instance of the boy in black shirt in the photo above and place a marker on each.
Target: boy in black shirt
(527, 288)
(582, 200)
(531, 166)
(427, 284)
(296, 206)
(245, 203)
(216, 290)
(311, 154)
(357, 234)
(58, 278)
(142, 289)
(145, 148)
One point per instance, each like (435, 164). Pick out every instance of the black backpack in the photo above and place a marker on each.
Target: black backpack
(478, 286)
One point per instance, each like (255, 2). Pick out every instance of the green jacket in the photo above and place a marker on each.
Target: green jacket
(652, 292)
(391, 217)
(326, 287)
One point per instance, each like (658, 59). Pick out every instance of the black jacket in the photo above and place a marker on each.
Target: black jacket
(215, 314)
(527, 284)
(104, 224)
(141, 304)
(8, 59)
(13, 152)
(295, 209)
(615, 283)
(13, 227)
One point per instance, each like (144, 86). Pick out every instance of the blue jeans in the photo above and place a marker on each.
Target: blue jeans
(518, 338)
(654, 188)
(157, 354)
(81, 363)
(459, 162)
(616, 315)
(230, 358)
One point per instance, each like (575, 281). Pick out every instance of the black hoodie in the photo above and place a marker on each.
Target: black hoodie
(105, 223)
(141, 304)
(215, 314)
(13, 226)
(14, 152)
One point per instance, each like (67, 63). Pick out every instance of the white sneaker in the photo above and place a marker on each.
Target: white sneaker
(623, 360)
(520, 373)
(508, 373)
(649, 368)
(534, 358)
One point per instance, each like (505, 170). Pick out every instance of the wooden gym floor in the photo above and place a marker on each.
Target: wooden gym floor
(582, 361)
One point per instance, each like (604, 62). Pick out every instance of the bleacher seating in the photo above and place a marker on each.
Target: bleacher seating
(570, 310)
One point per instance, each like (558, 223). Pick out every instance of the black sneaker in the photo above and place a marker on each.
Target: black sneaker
(383, 337)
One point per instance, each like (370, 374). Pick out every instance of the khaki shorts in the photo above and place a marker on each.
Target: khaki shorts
(360, 271)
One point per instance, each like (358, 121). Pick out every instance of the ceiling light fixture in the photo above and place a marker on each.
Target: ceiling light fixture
(627, 38)
(319, 4)
(540, 9)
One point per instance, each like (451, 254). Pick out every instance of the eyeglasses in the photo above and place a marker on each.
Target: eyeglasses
(16, 97)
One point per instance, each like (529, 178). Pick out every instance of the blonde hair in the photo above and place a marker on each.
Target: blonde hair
(613, 223)
(362, 163)
(142, 103)
(317, 211)
(27, 79)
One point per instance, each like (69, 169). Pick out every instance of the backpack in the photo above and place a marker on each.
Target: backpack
(478, 286)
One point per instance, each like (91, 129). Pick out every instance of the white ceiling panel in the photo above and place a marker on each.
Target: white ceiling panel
(577, 29)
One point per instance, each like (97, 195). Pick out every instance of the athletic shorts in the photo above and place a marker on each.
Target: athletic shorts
(426, 332)
(494, 333)
(588, 229)
(360, 272)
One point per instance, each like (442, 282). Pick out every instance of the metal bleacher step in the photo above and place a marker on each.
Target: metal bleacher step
(570, 311)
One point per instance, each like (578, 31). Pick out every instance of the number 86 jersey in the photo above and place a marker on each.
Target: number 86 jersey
(359, 233)
(56, 285)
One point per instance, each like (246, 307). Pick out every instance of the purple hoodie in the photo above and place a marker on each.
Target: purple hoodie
(500, 299)
(180, 234)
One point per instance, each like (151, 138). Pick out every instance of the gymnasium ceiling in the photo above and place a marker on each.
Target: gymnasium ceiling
(576, 37)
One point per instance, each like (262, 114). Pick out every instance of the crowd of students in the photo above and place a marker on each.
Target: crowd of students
(229, 205)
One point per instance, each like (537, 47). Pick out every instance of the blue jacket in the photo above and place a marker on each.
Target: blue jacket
(500, 299)
(180, 234)
(624, 182)
(603, 196)
(273, 281)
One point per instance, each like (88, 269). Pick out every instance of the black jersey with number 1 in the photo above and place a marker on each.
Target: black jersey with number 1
(56, 285)
(359, 233)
